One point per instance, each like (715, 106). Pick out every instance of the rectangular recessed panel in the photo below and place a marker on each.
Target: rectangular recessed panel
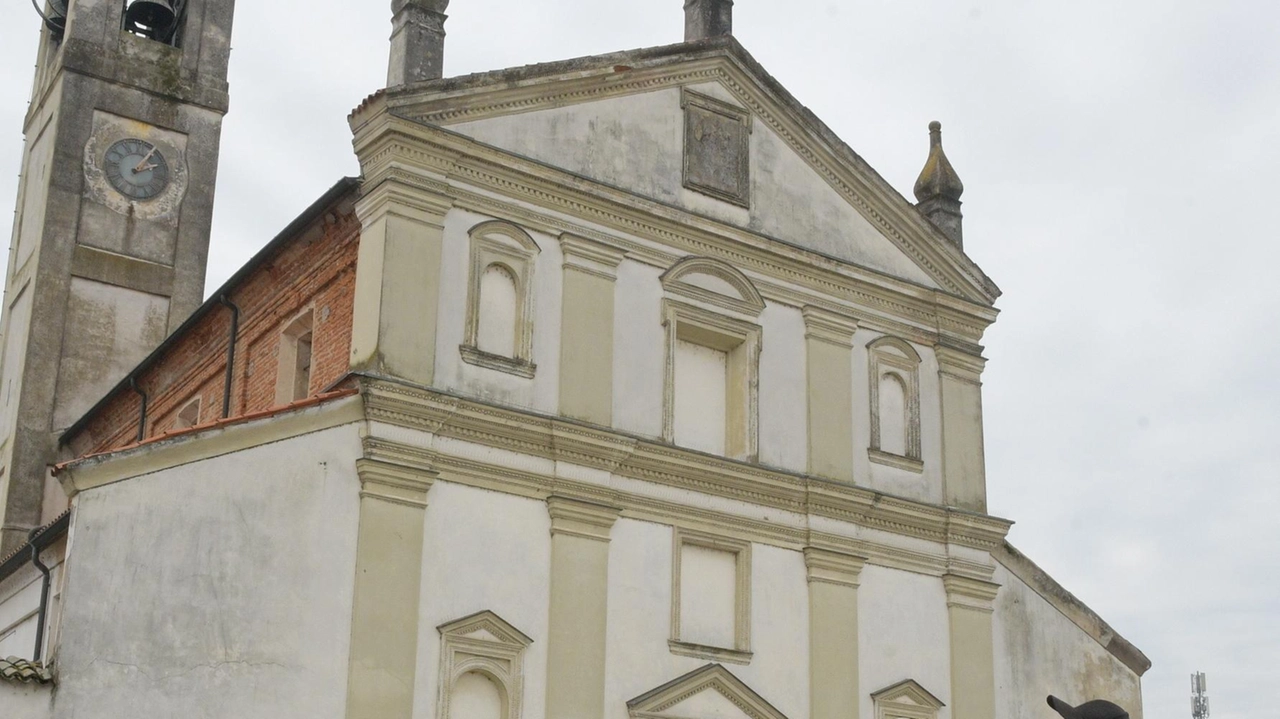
(708, 596)
(700, 380)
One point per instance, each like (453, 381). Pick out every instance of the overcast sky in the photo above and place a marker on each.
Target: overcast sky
(1121, 167)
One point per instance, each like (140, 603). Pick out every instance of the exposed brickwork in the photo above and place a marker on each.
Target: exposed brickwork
(312, 271)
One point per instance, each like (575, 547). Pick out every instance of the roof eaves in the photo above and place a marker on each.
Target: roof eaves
(1079, 613)
(216, 424)
(309, 215)
(42, 537)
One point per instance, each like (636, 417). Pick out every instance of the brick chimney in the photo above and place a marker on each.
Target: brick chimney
(707, 18)
(417, 41)
(939, 188)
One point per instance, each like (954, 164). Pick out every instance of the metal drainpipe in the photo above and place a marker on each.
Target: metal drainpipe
(231, 354)
(142, 420)
(42, 616)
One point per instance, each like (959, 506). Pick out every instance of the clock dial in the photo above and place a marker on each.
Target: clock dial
(136, 169)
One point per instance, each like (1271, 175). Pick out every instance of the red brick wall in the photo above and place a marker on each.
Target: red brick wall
(314, 270)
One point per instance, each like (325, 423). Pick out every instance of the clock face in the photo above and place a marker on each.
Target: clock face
(136, 169)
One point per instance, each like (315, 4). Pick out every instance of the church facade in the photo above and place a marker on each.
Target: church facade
(617, 387)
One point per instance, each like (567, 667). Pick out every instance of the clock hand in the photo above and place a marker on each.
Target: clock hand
(144, 168)
(143, 161)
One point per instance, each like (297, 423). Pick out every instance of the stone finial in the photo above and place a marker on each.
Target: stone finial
(417, 41)
(707, 18)
(938, 189)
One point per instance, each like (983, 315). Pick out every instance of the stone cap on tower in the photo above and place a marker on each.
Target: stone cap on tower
(938, 189)
(707, 18)
(417, 41)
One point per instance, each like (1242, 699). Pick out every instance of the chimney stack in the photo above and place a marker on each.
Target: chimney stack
(938, 189)
(417, 41)
(707, 18)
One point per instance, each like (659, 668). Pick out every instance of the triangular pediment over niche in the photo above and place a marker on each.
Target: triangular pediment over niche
(711, 692)
(906, 700)
(485, 627)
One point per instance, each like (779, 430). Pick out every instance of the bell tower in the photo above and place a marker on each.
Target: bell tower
(111, 233)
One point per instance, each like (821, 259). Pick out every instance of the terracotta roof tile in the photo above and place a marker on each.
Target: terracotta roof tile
(24, 671)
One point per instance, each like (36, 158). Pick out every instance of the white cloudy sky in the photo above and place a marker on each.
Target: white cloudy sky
(1122, 169)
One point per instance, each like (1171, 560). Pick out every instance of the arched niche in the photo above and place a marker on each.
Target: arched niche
(894, 373)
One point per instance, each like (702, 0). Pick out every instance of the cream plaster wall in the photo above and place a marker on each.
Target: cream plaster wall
(635, 142)
(783, 392)
(1038, 651)
(640, 616)
(639, 350)
(903, 633)
(216, 588)
(541, 393)
(484, 550)
(23, 701)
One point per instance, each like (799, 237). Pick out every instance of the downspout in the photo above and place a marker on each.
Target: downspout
(142, 420)
(231, 354)
(42, 616)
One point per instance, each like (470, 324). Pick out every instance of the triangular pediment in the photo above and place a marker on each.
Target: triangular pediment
(485, 627)
(907, 694)
(619, 120)
(711, 692)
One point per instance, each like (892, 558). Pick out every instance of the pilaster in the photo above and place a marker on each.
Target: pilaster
(579, 602)
(963, 463)
(969, 611)
(833, 633)
(382, 668)
(398, 279)
(828, 352)
(586, 329)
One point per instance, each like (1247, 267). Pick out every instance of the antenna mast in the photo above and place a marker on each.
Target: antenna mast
(1199, 696)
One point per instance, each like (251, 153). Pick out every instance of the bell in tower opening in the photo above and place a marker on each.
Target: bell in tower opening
(154, 19)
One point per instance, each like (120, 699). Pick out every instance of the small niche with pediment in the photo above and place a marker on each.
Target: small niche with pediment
(906, 700)
(711, 692)
(481, 668)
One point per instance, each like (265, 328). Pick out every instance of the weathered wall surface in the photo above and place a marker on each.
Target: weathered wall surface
(25, 701)
(313, 272)
(902, 633)
(636, 143)
(217, 588)
(639, 357)
(1039, 651)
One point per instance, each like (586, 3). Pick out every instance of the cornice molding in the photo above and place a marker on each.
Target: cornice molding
(959, 364)
(468, 162)
(827, 326)
(830, 567)
(843, 170)
(969, 593)
(660, 464)
(395, 483)
(577, 518)
(591, 256)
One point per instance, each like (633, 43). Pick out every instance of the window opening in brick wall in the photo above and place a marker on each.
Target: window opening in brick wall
(293, 379)
(189, 415)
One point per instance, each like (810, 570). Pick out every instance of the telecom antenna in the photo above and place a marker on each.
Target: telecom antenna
(1199, 696)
